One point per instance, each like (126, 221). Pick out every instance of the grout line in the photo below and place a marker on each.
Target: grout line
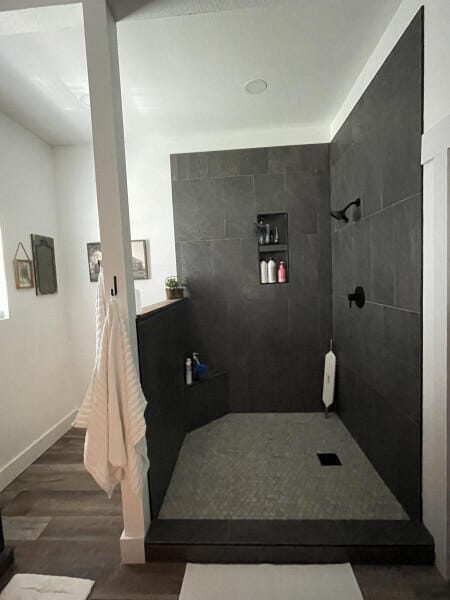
(394, 270)
(221, 239)
(408, 310)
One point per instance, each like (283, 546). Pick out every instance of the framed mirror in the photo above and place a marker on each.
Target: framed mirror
(44, 264)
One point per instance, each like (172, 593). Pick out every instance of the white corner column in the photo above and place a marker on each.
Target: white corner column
(436, 337)
(114, 221)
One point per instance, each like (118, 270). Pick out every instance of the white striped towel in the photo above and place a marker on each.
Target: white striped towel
(100, 312)
(113, 411)
(100, 316)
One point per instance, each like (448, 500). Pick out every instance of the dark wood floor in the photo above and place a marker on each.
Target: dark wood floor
(60, 523)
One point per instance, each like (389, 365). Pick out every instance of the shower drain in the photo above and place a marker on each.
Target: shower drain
(329, 459)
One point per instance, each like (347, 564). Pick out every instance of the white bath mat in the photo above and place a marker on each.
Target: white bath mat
(40, 587)
(269, 582)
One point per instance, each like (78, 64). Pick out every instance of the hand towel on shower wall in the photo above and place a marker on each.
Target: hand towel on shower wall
(115, 447)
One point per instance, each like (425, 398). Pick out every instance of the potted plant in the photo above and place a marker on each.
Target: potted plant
(173, 289)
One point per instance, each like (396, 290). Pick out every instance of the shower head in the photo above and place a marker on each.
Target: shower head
(340, 215)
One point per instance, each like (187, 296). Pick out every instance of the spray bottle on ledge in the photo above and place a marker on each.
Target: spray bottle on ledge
(199, 370)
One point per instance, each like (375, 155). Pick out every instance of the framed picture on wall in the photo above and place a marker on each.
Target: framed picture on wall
(139, 256)
(24, 274)
(94, 252)
(140, 259)
(23, 269)
(44, 264)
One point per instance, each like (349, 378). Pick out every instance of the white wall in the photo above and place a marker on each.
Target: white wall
(4, 308)
(77, 206)
(36, 385)
(150, 201)
(151, 218)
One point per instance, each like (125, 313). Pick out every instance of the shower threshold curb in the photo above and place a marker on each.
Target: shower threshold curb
(290, 541)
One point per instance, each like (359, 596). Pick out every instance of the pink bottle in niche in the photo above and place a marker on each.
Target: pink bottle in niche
(282, 274)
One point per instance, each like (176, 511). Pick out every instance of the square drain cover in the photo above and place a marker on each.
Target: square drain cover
(329, 459)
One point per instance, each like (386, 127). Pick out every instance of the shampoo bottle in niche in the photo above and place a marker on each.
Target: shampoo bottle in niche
(261, 233)
(188, 371)
(264, 271)
(282, 272)
(272, 269)
(276, 237)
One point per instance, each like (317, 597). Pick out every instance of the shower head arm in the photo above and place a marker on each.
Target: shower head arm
(356, 202)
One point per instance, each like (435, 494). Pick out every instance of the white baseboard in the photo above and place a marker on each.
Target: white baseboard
(132, 550)
(17, 465)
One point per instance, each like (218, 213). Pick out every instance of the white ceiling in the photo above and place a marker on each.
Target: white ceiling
(183, 73)
(43, 72)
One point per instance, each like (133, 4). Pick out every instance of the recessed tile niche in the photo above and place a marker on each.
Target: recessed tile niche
(274, 243)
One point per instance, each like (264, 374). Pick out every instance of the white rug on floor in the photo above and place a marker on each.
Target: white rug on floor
(270, 582)
(38, 587)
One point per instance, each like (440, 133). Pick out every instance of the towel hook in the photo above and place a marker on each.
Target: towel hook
(114, 290)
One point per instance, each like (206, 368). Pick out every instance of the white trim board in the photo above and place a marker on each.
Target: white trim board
(132, 549)
(436, 140)
(23, 460)
(436, 340)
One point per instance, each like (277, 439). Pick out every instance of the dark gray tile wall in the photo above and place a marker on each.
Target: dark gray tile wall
(206, 400)
(272, 338)
(376, 156)
(164, 341)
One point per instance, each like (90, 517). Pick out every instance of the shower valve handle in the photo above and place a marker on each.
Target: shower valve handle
(358, 297)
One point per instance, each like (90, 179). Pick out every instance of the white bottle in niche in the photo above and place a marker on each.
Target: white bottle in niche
(272, 269)
(264, 271)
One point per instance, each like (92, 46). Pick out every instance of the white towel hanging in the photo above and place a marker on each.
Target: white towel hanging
(113, 410)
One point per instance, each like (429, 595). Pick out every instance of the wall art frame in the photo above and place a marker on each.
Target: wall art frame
(43, 248)
(23, 269)
(139, 257)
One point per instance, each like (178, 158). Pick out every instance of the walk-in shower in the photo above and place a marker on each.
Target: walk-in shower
(244, 462)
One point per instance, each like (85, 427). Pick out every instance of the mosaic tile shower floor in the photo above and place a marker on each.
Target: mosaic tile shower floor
(265, 466)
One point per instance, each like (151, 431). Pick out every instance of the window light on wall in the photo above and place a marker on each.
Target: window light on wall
(4, 310)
